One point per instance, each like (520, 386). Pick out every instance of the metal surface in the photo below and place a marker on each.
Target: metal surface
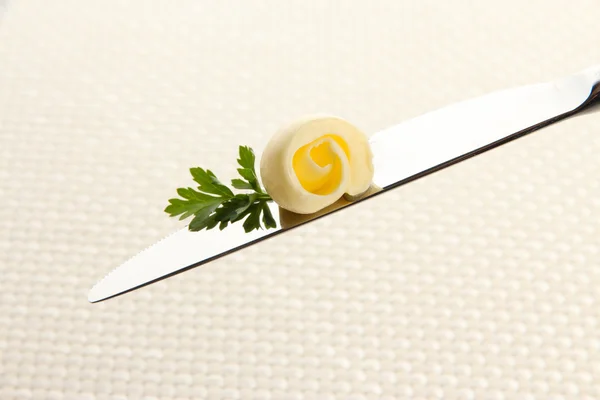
(401, 154)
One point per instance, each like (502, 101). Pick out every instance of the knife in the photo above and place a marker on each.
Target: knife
(401, 154)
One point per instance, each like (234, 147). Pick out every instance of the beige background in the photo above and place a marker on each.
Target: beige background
(481, 281)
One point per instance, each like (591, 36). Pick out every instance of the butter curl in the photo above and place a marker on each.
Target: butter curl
(311, 163)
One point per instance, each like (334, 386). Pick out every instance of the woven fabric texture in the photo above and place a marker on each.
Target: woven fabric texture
(480, 281)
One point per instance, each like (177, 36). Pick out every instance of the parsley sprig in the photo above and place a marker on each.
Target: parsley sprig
(213, 203)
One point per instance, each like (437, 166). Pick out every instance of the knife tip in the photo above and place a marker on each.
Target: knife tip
(93, 295)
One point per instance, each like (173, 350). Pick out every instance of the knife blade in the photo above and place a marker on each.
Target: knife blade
(401, 154)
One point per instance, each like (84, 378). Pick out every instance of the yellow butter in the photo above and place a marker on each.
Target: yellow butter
(311, 163)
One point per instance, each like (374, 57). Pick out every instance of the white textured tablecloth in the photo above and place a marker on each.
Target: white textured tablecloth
(480, 281)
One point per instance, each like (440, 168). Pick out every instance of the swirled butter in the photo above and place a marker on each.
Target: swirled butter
(311, 163)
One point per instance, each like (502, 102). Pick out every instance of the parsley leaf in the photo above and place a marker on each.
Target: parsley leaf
(241, 184)
(209, 182)
(268, 219)
(213, 203)
(246, 161)
(247, 157)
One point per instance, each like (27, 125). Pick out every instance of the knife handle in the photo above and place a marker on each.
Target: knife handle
(593, 76)
(590, 80)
